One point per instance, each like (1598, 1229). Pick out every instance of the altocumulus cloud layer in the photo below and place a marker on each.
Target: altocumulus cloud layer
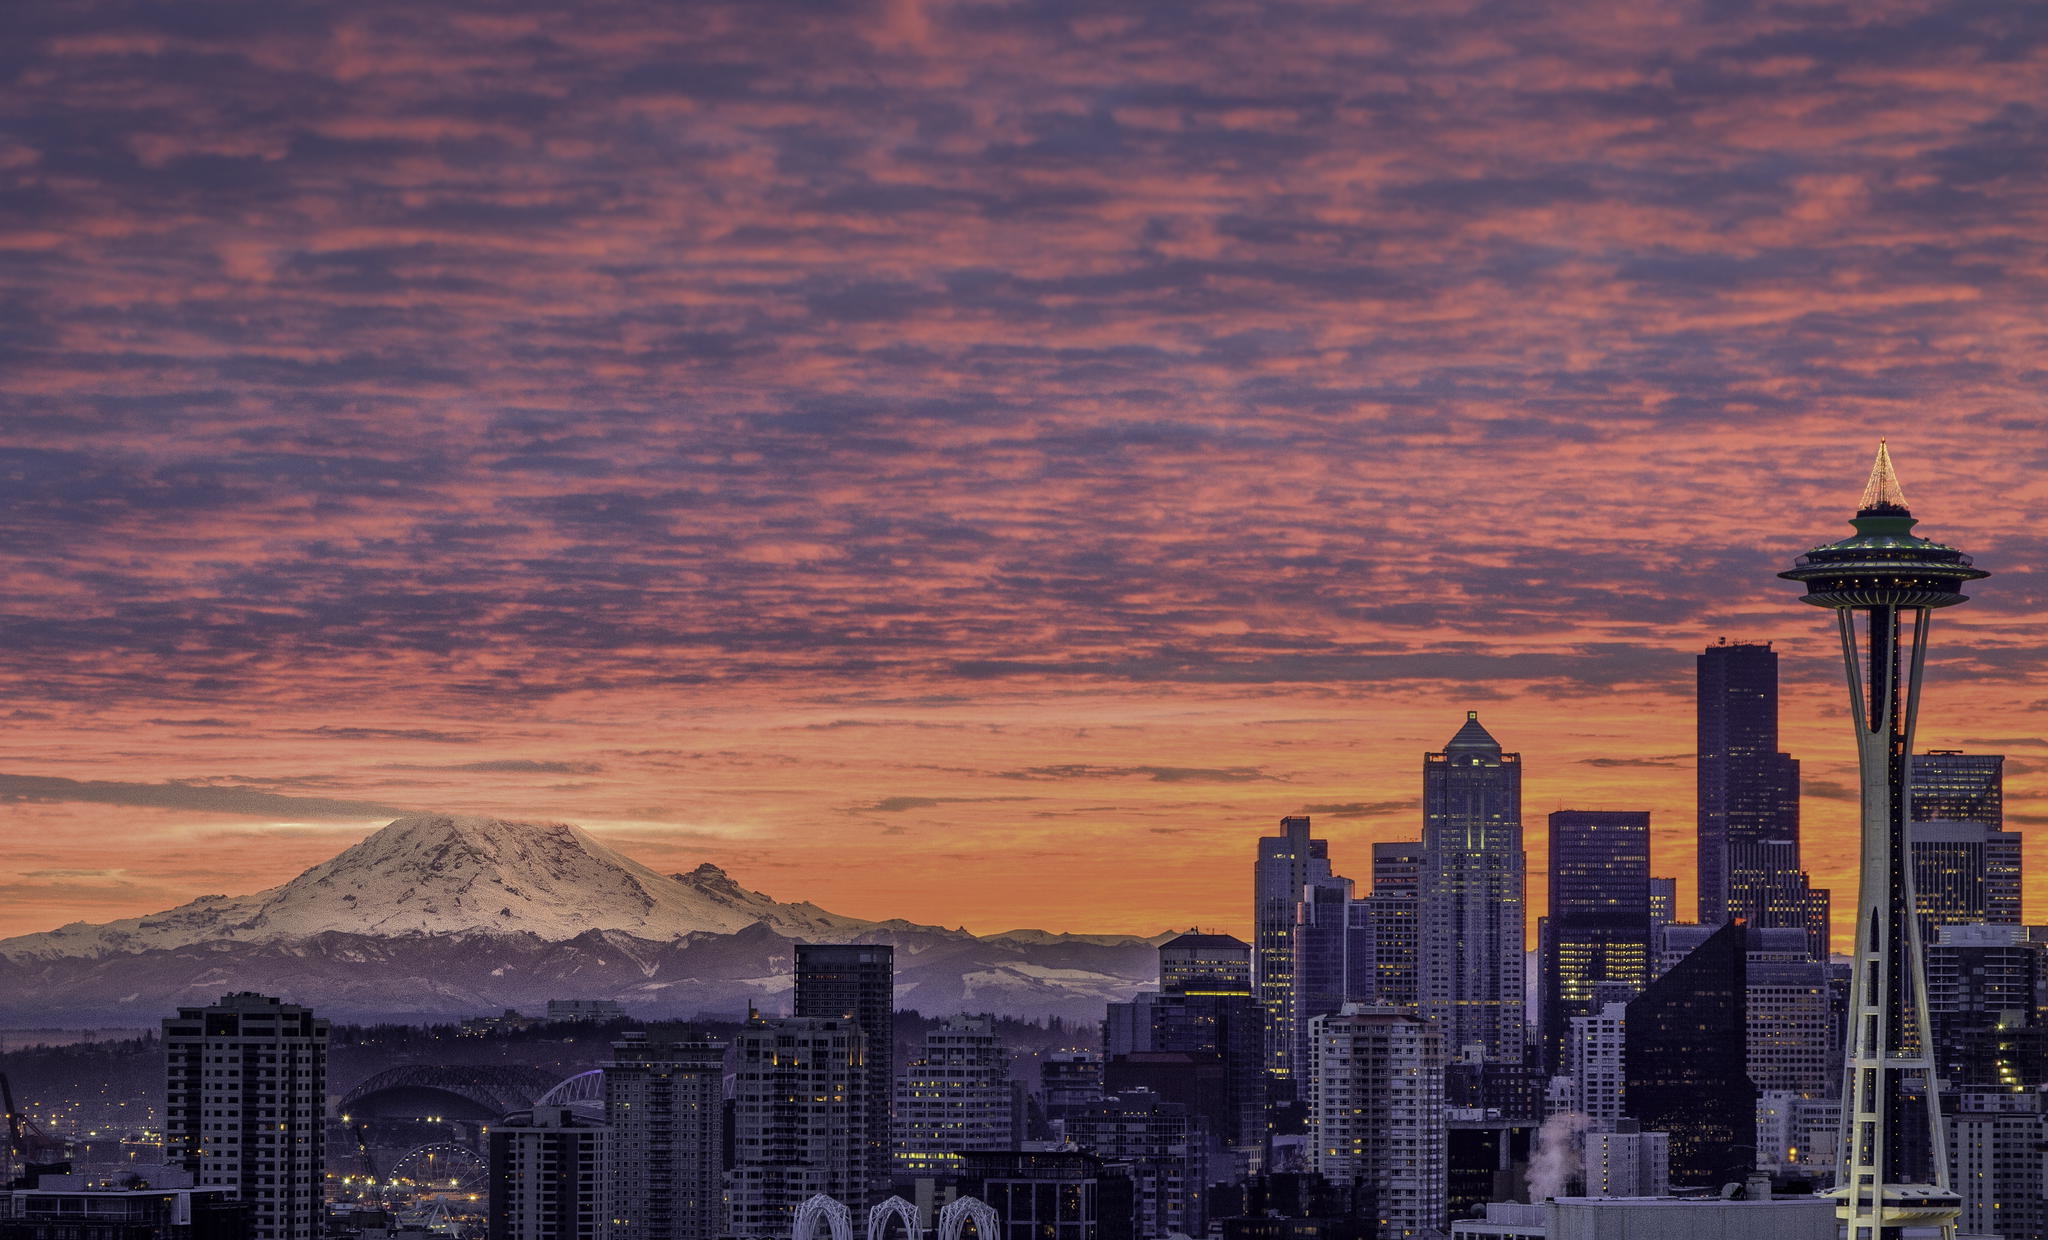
(737, 425)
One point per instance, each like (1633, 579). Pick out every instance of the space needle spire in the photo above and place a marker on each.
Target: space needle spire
(1884, 582)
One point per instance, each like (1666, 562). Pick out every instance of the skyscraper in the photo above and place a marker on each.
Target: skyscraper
(1598, 930)
(857, 982)
(954, 1098)
(1473, 920)
(1685, 1062)
(799, 1121)
(1749, 799)
(1894, 1172)
(1286, 864)
(665, 1106)
(1388, 967)
(1965, 873)
(1322, 935)
(245, 1106)
(1952, 786)
(1376, 1114)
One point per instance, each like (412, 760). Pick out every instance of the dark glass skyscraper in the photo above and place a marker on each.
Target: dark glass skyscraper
(1598, 930)
(1286, 864)
(1322, 925)
(1473, 917)
(1685, 1062)
(857, 981)
(1749, 800)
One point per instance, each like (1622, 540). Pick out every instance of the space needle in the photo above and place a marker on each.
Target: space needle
(1884, 583)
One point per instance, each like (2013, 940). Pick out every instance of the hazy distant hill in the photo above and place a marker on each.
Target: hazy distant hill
(439, 916)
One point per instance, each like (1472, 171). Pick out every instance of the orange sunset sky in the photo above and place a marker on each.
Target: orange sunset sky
(980, 462)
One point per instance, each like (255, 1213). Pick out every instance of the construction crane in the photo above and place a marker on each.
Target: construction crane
(30, 1150)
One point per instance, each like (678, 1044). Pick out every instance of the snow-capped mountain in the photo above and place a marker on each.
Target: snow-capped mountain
(439, 915)
(437, 874)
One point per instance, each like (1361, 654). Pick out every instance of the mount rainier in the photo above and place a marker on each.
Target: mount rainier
(436, 916)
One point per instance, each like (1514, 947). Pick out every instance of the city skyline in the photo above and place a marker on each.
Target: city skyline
(1000, 441)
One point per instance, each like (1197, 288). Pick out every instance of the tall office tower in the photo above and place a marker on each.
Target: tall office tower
(1595, 1061)
(1792, 1044)
(1287, 864)
(1598, 930)
(1215, 964)
(1894, 1170)
(665, 1105)
(1790, 1006)
(1473, 919)
(857, 982)
(1952, 786)
(551, 1176)
(1685, 1057)
(1966, 866)
(245, 1107)
(1749, 799)
(1159, 1146)
(799, 1120)
(1965, 873)
(954, 1098)
(1391, 948)
(1376, 1115)
(1322, 935)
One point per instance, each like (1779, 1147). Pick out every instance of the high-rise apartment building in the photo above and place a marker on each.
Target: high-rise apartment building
(857, 982)
(799, 1120)
(1995, 1143)
(954, 1098)
(1625, 1161)
(665, 1106)
(1473, 918)
(1685, 1057)
(1387, 968)
(1287, 863)
(1598, 930)
(551, 1176)
(245, 1106)
(1376, 1115)
(1595, 1052)
(1749, 800)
